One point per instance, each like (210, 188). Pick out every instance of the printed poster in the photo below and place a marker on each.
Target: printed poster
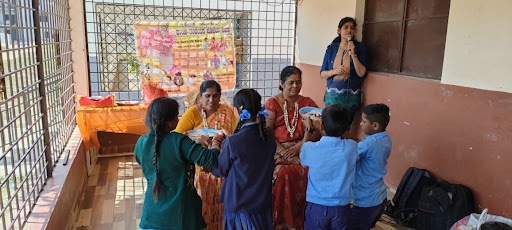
(177, 56)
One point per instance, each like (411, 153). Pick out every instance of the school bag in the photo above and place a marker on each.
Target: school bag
(443, 204)
(403, 207)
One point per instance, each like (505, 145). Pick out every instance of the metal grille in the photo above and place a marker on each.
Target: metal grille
(36, 102)
(266, 29)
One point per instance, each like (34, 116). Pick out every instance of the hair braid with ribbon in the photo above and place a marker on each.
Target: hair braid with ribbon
(249, 101)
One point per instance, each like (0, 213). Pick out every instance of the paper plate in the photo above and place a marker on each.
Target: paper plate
(313, 112)
(127, 103)
(199, 132)
(96, 98)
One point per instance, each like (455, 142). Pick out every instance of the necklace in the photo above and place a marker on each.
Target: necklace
(291, 129)
(203, 115)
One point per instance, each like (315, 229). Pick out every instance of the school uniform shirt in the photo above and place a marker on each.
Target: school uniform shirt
(247, 162)
(372, 165)
(332, 163)
(179, 205)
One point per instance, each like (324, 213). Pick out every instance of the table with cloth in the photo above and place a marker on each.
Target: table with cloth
(116, 119)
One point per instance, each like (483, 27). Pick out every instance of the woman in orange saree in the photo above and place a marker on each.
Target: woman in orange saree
(208, 113)
(290, 178)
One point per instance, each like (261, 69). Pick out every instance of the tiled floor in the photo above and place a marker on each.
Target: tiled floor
(114, 195)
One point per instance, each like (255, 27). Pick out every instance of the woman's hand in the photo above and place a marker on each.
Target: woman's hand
(203, 140)
(223, 132)
(293, 151)
(352, 48)
(294, 160)
(336, 71)
(358, 66)
(344, 73)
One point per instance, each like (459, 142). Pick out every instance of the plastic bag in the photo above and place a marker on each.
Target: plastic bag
(476, 221)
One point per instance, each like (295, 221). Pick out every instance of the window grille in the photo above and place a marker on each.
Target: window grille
(265, 31)
(36, 101)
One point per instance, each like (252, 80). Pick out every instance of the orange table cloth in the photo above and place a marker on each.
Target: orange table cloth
(118, 119)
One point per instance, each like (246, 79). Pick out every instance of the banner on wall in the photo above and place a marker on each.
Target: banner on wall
(177, 56)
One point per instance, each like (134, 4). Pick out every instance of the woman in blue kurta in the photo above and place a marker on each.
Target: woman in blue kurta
(344, 68)
(247, 162)
(167, 160)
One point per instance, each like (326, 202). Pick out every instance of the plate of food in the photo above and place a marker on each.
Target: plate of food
(200, 132)
(310, 112)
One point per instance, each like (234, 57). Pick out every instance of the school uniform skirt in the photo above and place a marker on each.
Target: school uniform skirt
(242, 221)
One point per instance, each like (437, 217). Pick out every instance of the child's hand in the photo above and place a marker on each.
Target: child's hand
(218, 139)
(203, 140)
(316, 124)
(309, 122)
(312, 130)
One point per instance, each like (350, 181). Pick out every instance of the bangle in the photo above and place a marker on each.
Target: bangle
(354, 56)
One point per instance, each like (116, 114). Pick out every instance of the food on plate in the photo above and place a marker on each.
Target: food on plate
(310, 112)
(314, 114)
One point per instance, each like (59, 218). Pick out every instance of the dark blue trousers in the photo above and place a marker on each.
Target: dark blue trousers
(366, 218)
(318, 217)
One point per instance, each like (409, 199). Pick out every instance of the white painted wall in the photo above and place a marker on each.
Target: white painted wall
(317, 22)
(478, 51)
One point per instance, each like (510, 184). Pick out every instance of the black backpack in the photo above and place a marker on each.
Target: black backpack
(403, 207)
(443, 204)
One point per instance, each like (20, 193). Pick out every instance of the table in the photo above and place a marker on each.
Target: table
(118, 119)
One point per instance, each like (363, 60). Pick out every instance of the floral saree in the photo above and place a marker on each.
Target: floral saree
(290, 180)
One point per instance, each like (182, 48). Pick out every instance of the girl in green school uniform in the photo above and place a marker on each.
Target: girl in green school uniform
(167, 160)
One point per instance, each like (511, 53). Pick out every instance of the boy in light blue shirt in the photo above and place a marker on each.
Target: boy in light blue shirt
(369, 189)
(331, 162)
